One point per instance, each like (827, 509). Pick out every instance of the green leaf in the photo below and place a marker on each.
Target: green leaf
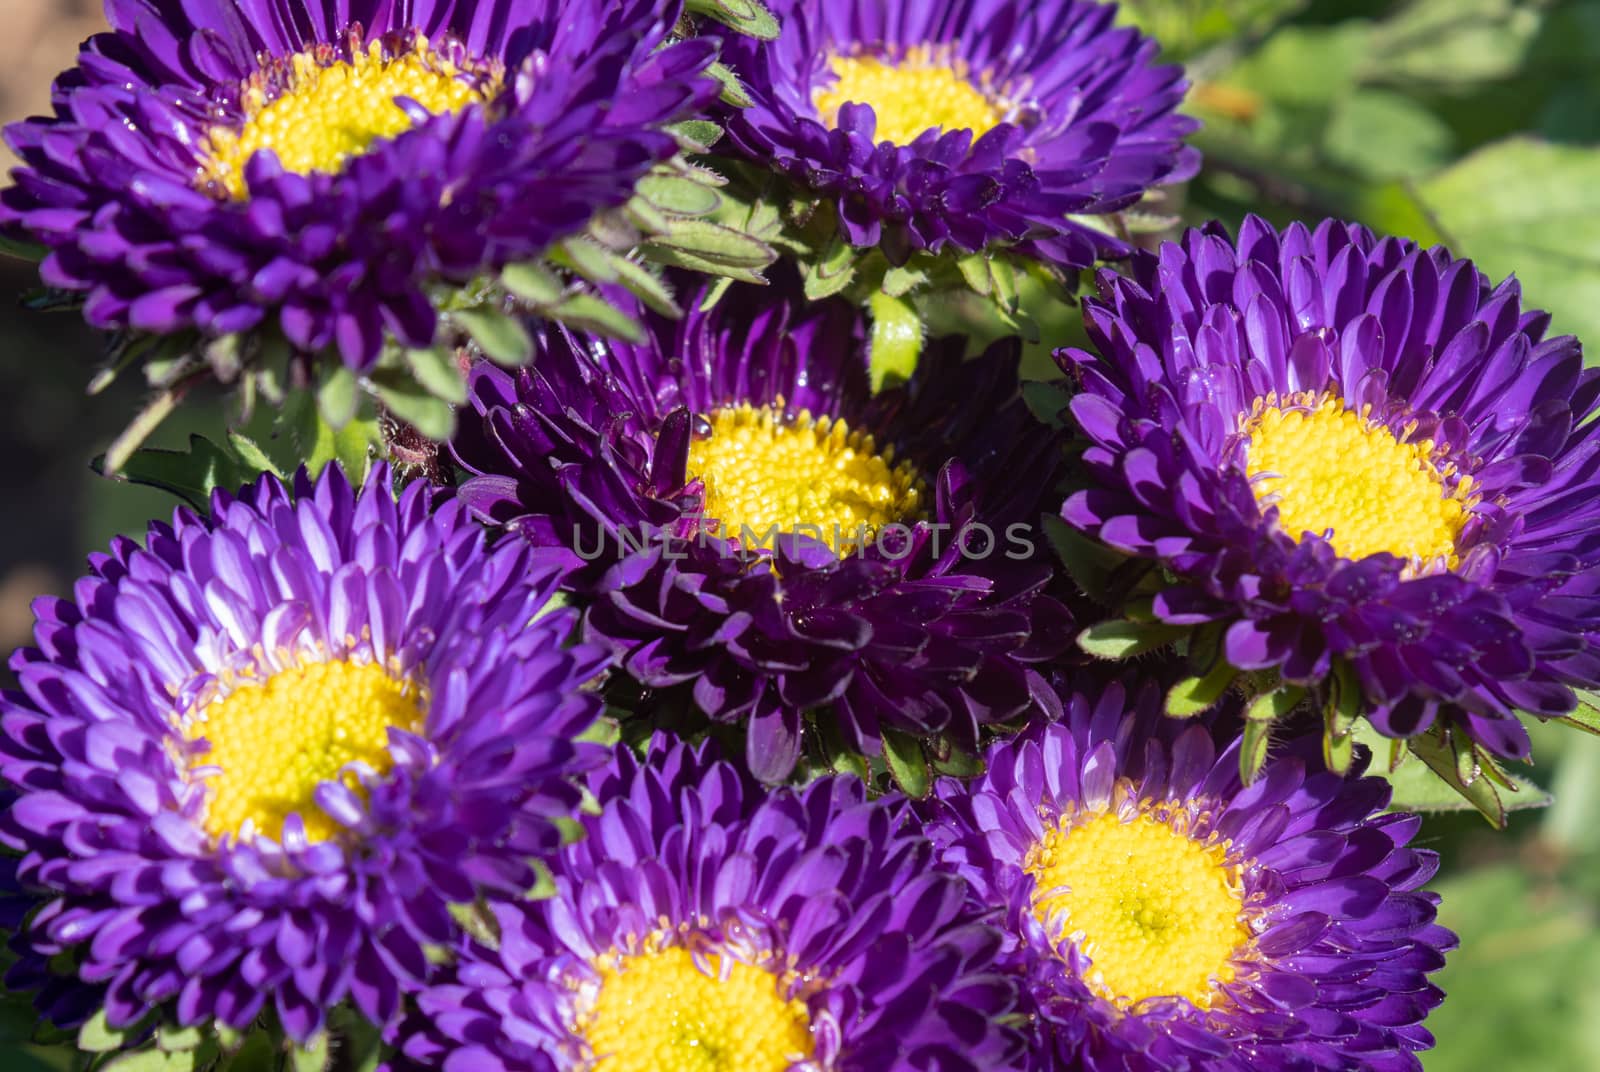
(907, 762)
(715, 243)
(1586, 716)
(1194, 695)
(679, 196)
(733, 91)
(832, 272)
(1091, 565)
(1525, 207)
(1436, 783)
(896, 340)
(532, 282)
(643, 283)
(1253, 745)
(1271, 706)
(898, 282)
(585, 257)
(98, 1036)
(593, 314)
(1123, 639)
(1380, 134)
(479, 923)
(191, 475)
(410, 402)
(436, 370)
(313, 1058)
(252, 456)
(696, 135)
(258, 1053)
(338, 394)
(746, 16)
(503, 338)
(175, 1039)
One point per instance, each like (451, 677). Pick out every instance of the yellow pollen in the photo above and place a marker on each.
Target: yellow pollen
(765, 473)
(921, 90)
(276, 740)
(330, 112)
(1326, 468)
(660, 1012)
(1157, 913)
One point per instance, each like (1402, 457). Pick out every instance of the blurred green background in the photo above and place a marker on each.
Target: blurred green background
(1469, 122)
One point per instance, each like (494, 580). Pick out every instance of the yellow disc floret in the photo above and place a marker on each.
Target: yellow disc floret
(765, 473)
(1157, 913)
(327, 113)
(921, 90)
(663, 1012)
(1326, 468)
(276, 740)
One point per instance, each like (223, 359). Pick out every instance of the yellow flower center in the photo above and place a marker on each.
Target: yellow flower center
(1157, 913)
(324, 113)
(765, 474)
(276, 740)
(1327, 468)
(925, 88)
(661, 1012)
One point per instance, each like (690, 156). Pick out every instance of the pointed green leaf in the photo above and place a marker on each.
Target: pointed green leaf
(175, 1039)
(679, 196)
(252, 456)
(733, 91)
(643, 283)
(191, 475)
(436, 370)
(1586, 716)
(314, 1058)
(696, 135)
(896, 340)
(586, 258)
(532, 282)
(98, 1036)
(1253, 745)
(588, 312)
(1440, 757)
(832, 272)
(716, 243)
(1194, 695)
(907, 762)
(410, 402)
(1271, 706)
(478, 922)
(1122, 639)
(1091, 565)
(337, 394)
(677, 258)
(975, 270)
(503, 338)
(898, 282)
(746, 16)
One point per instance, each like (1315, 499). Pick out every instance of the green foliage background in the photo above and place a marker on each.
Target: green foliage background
(1469, 122)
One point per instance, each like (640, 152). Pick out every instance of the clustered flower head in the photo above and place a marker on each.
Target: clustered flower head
(726, 684)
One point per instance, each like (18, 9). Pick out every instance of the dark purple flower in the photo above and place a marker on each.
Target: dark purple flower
(260, 758)
(1355, 459)
(414, 147)
(794, 930)
(963, 123)
(1165, 918)
(751, 523)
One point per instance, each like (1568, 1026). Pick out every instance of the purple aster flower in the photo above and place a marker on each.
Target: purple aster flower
(260, 758)
(1358, 462)
(1165, 918)
(963, 123)
(796, 930)
(753, 526)
(327, 170)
